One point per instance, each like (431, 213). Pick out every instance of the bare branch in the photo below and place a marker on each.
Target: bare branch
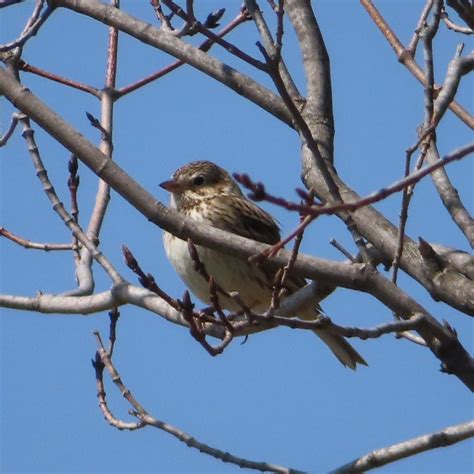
(24, 66)
(68, 220)
(452, 26)
(13, 123)
(450, 196)
(360, 277)
(28, 244)
(145, 33)
(377, 196)
(269, 44)
(204, 46)
(101, 396)
(407, 59)
(464, 9)
(381, 457)
(457, 68)
(32, 26)
(195, 26)
(420, 25)
(145, 419)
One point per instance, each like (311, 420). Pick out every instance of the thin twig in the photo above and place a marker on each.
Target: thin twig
(242, 17)
(196, 329)
(377, 196)
(343, 250)
(145, 419)
(464, 9)
(24, 66)
(59, 208)
(114, 316)
(458, 67)
(419, 27)
(101, 396)
(269, 44)
(450, 196)
(165, 20)
(73, 185)
(465, 30)
(146, 279)
(28, 244)
(13, 123)
(200, 28)
(312, 144)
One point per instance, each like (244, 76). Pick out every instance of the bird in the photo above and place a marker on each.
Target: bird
(206, 193)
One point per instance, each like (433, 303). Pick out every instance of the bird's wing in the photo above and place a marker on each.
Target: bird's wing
(255, 224)
(243, 217)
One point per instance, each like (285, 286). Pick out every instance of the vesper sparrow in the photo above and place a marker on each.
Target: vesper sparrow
(206, 193)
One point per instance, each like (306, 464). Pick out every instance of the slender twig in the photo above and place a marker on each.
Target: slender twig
(200, 28)
(101, 396)
(464, 9)
(13, 123)
(428, 33)
(312, 144)
(450, 196)
(214, 286)
(205, 46)
(387, 328)
(377, 196)
(145, 419)
(28, 244)
(465, 30)
(146, 279)
(282, 274)
(419, 27)
(73, 184)
(196, 329)
(160, 15)
(68, 220)
(269, 44)
(324, 322)
(458, 67)
(105, 125)
(343, 250)
(24, 66)
(114, 316)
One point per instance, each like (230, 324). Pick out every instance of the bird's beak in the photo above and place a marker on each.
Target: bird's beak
(172, 186)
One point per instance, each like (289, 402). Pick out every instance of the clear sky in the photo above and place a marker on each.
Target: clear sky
(280, 397)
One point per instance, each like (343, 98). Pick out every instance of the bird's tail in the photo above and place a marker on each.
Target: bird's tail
(346, 354)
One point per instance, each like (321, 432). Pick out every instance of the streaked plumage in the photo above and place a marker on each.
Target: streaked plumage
(207, 193)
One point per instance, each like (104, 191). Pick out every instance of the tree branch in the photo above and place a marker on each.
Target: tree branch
(381, 457)
(407, 59)
(196, 58)
(360, 277)
(145, 419)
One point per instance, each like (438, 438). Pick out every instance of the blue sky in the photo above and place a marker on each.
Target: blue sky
(280, 397)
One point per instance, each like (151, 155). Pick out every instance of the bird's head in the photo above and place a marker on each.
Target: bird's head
(199, 180)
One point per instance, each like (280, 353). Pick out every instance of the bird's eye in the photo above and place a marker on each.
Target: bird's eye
(198, 180)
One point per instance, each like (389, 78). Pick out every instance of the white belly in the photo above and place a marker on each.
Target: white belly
(230, 273)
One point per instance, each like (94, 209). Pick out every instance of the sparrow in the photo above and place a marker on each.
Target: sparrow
(206, 193)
